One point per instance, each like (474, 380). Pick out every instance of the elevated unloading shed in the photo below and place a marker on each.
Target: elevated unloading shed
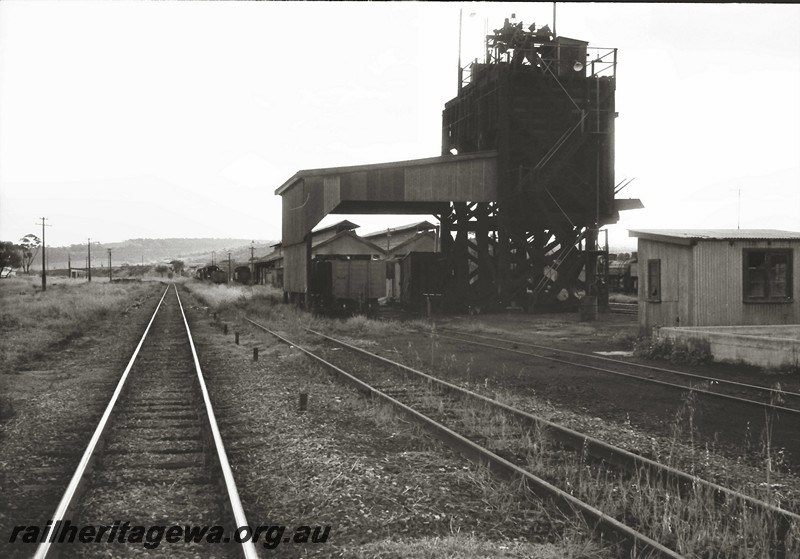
(421, 186)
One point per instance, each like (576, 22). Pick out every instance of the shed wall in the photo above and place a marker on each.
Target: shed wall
(702, 285)
(719, 286)
(295, 268)
(676, 285)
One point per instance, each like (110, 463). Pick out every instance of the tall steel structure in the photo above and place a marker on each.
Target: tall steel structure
(524, 182)
(545, 104)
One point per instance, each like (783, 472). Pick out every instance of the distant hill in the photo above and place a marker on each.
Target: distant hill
(155, 251)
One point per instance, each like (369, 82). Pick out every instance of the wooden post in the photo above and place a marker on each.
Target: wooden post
(255, 354)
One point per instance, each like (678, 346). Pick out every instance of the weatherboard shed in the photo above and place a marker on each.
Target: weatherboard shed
(717, 277)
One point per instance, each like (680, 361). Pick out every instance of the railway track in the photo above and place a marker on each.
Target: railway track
(516, 451)
(762, 397)
(155, 462)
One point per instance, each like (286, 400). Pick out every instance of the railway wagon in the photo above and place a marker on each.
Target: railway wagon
(346, 284)
(623, 275)
(212, 273)
(205, 272)
(423, 275)
(241, 274)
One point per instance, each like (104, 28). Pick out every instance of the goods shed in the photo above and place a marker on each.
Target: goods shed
(393, 239)
(268, 270)
(728, 277)
(398, 242)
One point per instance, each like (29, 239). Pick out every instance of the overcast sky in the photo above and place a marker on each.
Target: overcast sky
(180, 119)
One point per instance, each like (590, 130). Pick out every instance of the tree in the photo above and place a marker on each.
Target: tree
(30, 244)
(177, 266)
(10, 255)
(161, 269)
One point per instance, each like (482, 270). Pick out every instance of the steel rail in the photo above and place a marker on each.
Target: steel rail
(480, 455)
(248, 549)
(77, 477)
(629, 375)
(594, 447)
(640, 365)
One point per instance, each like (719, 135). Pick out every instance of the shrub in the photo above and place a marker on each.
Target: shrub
(692, 352)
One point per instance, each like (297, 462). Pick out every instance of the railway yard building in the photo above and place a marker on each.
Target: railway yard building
(734, 288)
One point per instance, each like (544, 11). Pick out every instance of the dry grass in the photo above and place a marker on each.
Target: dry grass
(692, 525)
(223, 297)
(32, 320)
(466, 546)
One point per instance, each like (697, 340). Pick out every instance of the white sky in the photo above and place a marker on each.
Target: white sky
(180, 119)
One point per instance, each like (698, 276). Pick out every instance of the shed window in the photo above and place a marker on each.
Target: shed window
(654, 280)
(767, 275)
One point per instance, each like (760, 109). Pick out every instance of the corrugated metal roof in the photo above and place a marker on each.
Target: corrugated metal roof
(716, 234)
(344, 225)
(419, 226)
(350, 234)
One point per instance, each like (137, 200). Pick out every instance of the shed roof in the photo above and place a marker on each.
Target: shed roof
(344, 225)
(413, 239)
(688, 236)
(419, 226)
(352, 235)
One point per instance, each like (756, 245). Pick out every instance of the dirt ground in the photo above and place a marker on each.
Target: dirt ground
(653, 409)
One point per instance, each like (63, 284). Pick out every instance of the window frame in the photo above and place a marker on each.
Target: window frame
(653, 262)
(768, 297)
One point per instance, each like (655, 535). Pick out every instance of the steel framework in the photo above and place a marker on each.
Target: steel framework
(546, 105)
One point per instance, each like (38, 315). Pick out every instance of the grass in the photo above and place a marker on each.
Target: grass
(693, 524)
(695, 352)
(469, 546)
(32, 320)
(505, 502)
(222, 297)
(263, 304)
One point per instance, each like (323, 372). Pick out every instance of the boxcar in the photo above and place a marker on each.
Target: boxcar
(422, 274)
(346, 284)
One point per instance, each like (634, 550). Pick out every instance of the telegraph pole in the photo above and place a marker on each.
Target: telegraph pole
(252, 262)
(44, 261)
(89, 261)
(229, 266)
(110, 279)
